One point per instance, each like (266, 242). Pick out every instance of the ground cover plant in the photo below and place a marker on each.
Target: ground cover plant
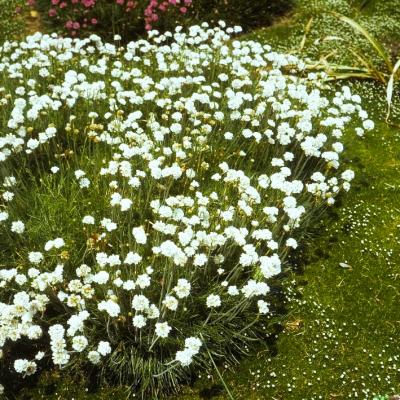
(151, 194)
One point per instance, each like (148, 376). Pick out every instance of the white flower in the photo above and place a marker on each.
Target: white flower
(233, 291)
(94, 357)
(200, 260)
(8, 196)
(291, 243)
(368, 125)
(348, 175)
(132, 258)
(170, 302)
(140, 235)
(101, 277)
(140, 302)
(17, 227)
(102, 259)
(35, 257)
(193, 344)
(79, 173)
(39, 355)
(139, 321)
(143, 281)
(23, 366)
(84, 183)
(184, 357)
(104, 348)
(125, 204)
(108, 224)
(270, 265)
(3, 216)
(263, 307)
(111, 307)
(213, 301)
(79, 343)
(88, 220)
(20, 365)
(182, 289)
(113, 260)
(162, 329)
(56, 243)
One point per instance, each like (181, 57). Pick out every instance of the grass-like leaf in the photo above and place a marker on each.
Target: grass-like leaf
(389, 89)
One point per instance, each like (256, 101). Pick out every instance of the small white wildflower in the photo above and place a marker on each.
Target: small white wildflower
(35, 257)
(17, 227)
(88, 220)
(79, 343)
(139, 321)
(162, 329)
(94, 357)
(213, 301)
(104, 348)
(140, 235)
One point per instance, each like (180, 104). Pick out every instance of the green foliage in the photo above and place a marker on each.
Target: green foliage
(247, 14)
(111, 18)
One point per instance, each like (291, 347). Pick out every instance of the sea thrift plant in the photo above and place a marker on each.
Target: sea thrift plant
(150, 196)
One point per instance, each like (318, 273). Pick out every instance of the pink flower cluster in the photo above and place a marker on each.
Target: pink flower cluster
(77, 16)
(151, 11)
(76, 9)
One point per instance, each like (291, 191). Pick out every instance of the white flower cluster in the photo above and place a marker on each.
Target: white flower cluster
(192, 160)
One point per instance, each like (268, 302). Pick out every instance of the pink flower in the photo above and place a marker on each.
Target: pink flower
(93, 21)
(55, 2)
(69, 24)
(52, 12)
(148, 27)
(63, 4)
(88, 3)
(76, 25)
(183, 10)
(120, 2)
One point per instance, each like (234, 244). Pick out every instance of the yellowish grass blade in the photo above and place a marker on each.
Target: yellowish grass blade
(306, 32)
(389, 89)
